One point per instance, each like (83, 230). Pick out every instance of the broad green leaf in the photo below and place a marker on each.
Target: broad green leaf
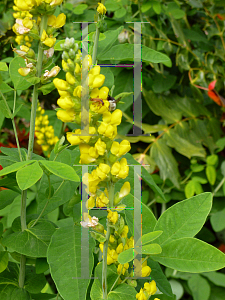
(34, 283)
(29, 175)
(148, 237)
(15, 167)
(156, 7)
(177, 13)
(150, 249)
(217, 293)
(5, 110)
(145, 7)
(215, 277)
(62, 170)
(189, 189)
(126, 52)
(126, 256)
(109, 77)
(47, 88)
(5, 88)
(165, 160)
(159, 277)
(19, 81)
(163, 83)
(3, 66)
(212, 159)
(32, 241)
(122, 292)
(107, 43)
(199, 287)
(120, 13)
(184, 219)
(64, 258)
(79, 9)
(162, 106)
(97, 236)
(13, 154)
(191, 255)
(7, 197)
(4, 258)
(148, 218)
(211, 174)
(217, 220)
(44, 296)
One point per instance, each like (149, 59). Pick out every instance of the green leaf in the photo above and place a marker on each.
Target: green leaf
(7, 197)
(156, 7)
(145, 7)
(15, 167)
(166, 162)
(163, 83)
(3, 66)
(33, 80)
(29, 175)
(122, 292)
(41, 265)
(190, 216)
(211, 174)
(148, 237)
(19, 81)
(97, 236)
(5, 110)
(126, 52)
(191, 255)
(189, 189)
(4, 258)
(197, 168)
(47, 88)
(150, 249)
(212, 159)
(199, 287)
(62, 170)
(159, 277)
(120, 13)
(217, 220)
(65, 247)
(5, 88)
(79, 9)
(216, 278)
(126, 256)
(111, 37)
(34, 283)
(32, 241)
(177, 13)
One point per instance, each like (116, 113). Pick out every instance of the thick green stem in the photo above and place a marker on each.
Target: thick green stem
(94, 54)
(43, 26)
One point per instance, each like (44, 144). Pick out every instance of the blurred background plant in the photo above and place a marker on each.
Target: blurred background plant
(183, 116)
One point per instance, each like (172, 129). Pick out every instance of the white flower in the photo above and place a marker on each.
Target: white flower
(54, 71)
(49, 53)
(20, 28)
(89, 221)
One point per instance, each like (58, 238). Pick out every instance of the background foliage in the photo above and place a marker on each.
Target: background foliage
(184, 141)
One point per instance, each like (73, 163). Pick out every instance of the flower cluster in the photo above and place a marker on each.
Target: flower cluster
(43, 132)
(148, 290)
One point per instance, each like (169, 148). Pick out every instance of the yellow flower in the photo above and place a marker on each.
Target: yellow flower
(20, 28)
(56, 2)
(24, 71)
(120, 149)
(61, 84)
(65, 66)
(122, 268)
(101, 245)
(90, 203)
(125, 190)
(111, 256)
(46, 40)
(70, 78)
(66, 115)
(77, 91)
(65, 102)
(120, 169)
(54, 72)
(72, 138)
(57, 22)
(87, 61)
(95, 70)
(141, 295)
(112, 216)
(101, 9)
(102, 200)
(112, 239)
(124, 232)
(150, 287)
(98, 81)
(119, 248)
(107, 130)
(100, 147)
(88, 154)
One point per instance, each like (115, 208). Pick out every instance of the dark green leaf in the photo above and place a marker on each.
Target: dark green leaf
(199, 287)
(7, 197)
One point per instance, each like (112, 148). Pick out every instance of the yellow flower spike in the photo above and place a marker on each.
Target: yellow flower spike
(125, 190)
(141, 295)
(101, 9)
(98, 81)
(73, 139)
(77, 69)
(65, 102)
(150, 287)
(66, 115)
(112, 216)
(116, 117)
(103, 93)
(77, 91)
(100, 147)
(95, 70)
(90, 203)
(119, 248)
(70, 78)
(61, 84)
(60, 21)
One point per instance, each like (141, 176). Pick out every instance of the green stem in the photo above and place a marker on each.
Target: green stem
(43, 26)
(94, 54)
(218, 186)
(104, 263)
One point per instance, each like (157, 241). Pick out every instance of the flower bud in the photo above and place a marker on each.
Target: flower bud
(70, 78)
(65, 55)
(72, 53)
(61, 84)
(132, 282)
(65, 66)
(101, 9)
(65, 102)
